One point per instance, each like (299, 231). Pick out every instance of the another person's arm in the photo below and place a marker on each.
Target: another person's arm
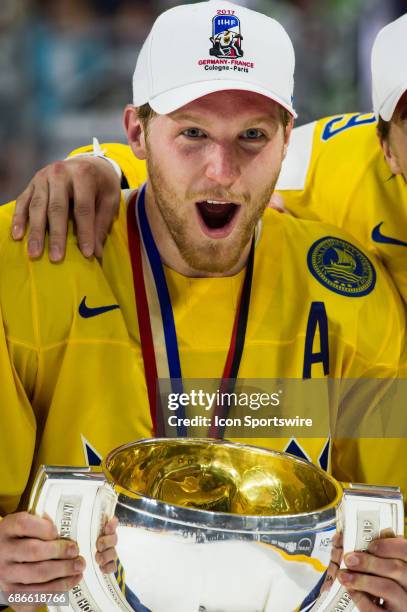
(87, 185)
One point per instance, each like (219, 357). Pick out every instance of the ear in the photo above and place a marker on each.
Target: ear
(287, 134)
(390, 155)
(135, 132)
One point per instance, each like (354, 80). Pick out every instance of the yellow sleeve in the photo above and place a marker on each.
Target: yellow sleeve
(18, 430)
(133, 169)
(18, 364)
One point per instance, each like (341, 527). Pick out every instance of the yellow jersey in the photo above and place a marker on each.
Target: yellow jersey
(73, 387)
(336, 169)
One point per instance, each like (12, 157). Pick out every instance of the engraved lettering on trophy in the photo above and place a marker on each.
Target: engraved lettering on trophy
(368, 528)
(340, 602)
(67, 515)
(111, 589)
(343, 603)
(66, 521)
(81, 600)
(109, 581)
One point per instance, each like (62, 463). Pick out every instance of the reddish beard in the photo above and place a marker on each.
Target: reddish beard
(210, 256)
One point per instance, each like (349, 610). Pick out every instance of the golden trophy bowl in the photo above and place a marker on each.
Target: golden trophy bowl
(218, 476)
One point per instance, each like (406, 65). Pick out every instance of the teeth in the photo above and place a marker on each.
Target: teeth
(216, 202)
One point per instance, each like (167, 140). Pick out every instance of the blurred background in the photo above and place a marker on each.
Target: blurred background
(66, 66)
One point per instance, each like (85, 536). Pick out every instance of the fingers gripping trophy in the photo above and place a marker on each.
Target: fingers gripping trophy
(205, 525)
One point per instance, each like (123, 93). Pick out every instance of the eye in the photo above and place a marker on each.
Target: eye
(193, 132)
(252, 134)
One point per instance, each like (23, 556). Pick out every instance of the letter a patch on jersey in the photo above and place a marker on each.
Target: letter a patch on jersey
(317, 320)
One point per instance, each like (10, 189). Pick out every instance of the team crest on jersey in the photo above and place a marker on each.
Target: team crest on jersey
(341, 267)
(226, 38)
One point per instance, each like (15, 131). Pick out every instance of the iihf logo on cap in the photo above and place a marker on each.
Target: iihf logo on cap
(226, 38)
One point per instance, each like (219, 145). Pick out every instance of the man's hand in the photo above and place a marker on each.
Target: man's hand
(34, 558)
(106, 552)
(377, 579)
(93, 187)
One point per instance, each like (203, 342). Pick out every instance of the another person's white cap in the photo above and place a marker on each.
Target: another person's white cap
(197, 49)
(389, 67)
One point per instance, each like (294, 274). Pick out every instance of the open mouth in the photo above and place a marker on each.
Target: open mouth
(217, 218)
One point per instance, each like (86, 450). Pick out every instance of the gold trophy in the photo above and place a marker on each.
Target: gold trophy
(211, 526)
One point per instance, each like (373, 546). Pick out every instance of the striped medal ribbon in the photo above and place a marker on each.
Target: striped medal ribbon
(157, 325)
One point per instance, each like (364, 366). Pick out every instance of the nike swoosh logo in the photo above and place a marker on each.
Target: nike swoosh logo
(377, 236)
(86, 312)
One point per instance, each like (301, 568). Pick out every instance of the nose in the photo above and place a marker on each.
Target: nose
(222, 165)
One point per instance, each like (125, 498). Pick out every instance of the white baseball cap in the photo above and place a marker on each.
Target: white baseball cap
(389, 67)
(197, 49)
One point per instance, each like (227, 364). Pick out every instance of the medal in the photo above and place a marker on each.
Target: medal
(157, 325)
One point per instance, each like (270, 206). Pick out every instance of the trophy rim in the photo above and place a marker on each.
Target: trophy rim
(320, 519)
